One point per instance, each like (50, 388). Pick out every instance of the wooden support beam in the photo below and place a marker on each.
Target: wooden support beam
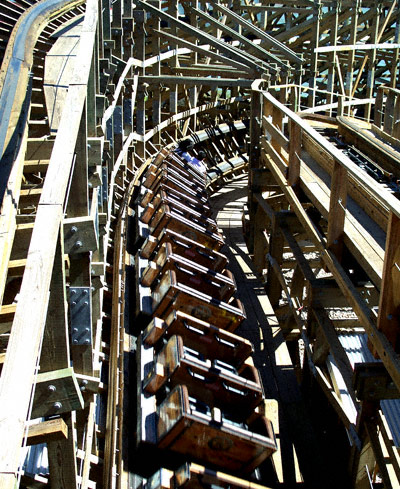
(47, 431)
(294, 153)
(371, 429)
(56, 392)
(388, 317)
(268, 40)
(62, 459)
(254, 156)
(225, 48)
(273, 285)
(55, 346)
(336, 349)
(337, 209)
(379, 340)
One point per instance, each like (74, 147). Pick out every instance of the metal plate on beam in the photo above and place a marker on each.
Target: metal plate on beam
(81, 315)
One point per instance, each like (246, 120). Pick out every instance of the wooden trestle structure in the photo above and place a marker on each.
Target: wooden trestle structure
(165, 328)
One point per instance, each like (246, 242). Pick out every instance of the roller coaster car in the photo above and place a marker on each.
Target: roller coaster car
(174, 160)
(193, 203)
(163, 174)
(180, 166)
(172, 295)
(218, 285)
(186, 247)
(200, 195)
(216, 383)
(167, 218)
(154, 211)
(210, 341)
(205, 435)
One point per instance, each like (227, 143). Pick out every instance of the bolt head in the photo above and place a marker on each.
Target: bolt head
(57, 405)
(52, 388)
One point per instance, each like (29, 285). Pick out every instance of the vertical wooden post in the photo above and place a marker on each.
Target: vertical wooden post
(294, 153)
(332, 61)
(314, 55)
(389, 112)
(55, 347)
(337, 209)
(378, 111)
(294, 99)
(372, 60)
(254, 157)
(340, 109)
(116, 28)
(140, 50)
(396, 118)
(91, 96)
(106, 21)
(78, 203)
(273, 286)
(389, 303)
(173, 95)
(55, 355)
(118, 128)
(156, 94)
(351, 56)
(394, 82)
(277, 121)
(260, 243)
(62, 459)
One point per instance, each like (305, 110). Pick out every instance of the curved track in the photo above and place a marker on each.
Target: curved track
(143, 79)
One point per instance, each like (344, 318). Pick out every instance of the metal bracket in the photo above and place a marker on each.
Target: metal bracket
(80, 305)
(80, 235)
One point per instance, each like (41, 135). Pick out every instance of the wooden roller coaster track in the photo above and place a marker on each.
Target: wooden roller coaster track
(160, 327)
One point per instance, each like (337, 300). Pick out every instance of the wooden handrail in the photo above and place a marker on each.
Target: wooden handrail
(380, 194)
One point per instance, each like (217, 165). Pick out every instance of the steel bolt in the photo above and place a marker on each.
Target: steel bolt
(52, 388)
(57, 405)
